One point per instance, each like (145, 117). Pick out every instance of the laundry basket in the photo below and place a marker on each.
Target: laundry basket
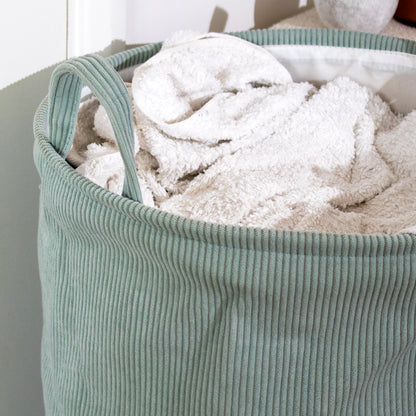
(148, 313)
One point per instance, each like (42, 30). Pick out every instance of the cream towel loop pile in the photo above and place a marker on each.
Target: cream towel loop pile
(224, 135)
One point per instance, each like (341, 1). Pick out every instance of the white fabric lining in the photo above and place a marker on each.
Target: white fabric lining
(390, 74)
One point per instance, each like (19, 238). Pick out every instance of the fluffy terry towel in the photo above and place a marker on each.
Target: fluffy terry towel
(224, 135)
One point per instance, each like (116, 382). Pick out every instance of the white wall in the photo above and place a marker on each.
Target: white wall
(151, 21)
(37, 34)
(93, 24)
(33, 36)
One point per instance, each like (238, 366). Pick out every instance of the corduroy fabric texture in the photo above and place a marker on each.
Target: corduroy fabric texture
(146, 313)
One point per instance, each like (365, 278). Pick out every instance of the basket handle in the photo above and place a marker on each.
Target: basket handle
(64, 97)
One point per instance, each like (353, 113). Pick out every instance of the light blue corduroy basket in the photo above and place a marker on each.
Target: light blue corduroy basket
(147, 313)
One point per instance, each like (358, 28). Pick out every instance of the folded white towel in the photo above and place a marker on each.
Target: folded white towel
(224, 135)
(174, 88)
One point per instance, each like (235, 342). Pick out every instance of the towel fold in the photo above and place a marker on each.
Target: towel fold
(224, 135)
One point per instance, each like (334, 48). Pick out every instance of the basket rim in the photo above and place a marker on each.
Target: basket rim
(312, 242)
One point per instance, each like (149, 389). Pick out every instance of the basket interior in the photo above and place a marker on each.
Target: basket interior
(385, 64)
(392, 74)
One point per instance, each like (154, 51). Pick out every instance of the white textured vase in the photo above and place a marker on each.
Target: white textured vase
(361, 15)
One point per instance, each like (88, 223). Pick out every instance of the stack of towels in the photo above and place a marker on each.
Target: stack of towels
(223, 134)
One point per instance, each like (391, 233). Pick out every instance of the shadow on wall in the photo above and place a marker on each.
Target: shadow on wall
(116, 46)
(218, 20)
(20, 299)
(268, 12)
